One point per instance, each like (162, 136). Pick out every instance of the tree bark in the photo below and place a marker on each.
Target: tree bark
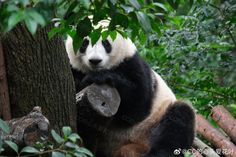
(5, 111)
(27, 130)
(39, 74)
(225, 121)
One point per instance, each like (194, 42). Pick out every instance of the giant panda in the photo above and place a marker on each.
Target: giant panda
(150, 122)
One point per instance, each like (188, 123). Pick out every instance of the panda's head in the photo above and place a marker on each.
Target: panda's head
(105, 54)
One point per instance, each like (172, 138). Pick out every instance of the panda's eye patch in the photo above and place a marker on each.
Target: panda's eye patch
(84, 46)
(106, 44)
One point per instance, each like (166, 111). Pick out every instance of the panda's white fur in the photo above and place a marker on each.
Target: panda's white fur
(135, 137)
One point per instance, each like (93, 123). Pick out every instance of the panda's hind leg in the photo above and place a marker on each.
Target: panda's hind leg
(175, 132)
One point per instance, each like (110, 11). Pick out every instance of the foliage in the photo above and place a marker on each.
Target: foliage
(65, 146)
(196, 54)
(76, 18)
(13, 12)
(191, 43)
(5, 128)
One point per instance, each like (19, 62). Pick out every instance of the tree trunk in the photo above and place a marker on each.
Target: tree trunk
(39, 74)
(4, 97)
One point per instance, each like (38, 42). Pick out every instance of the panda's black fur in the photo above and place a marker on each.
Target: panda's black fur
(137, 129)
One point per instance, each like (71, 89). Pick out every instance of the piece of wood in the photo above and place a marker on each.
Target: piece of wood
(225, 121)
(203, 148)
(103, 99)
(212, 135)
(96, 104)
(5, 111)
(27, 130)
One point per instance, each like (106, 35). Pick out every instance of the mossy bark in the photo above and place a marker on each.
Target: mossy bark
(39, 74)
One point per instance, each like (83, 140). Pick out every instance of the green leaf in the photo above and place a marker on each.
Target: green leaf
(174, 4)
(72, 145)
(79, 154)
(95, 35)
(36, 17)
(76, 42)
(4, 126)
(123, 34)
(68, 155)
(156, 26)
(1, 143)
(113, 1)
(143, 38)
(73, 137)
(127, 9)
(12, 145)
(160, 5)
(85, 3)
(29, 149)
(144, 21)
(135, 4)
(84, 151)
(24, 2)
(121, 19)
(105, 35)
(70, 9)
(84, 28)
(58, 154)
(56, 137)
(12, 8)
(113, 35)
(14, 19)
(31, 25)
(66, 131)
(53, 32)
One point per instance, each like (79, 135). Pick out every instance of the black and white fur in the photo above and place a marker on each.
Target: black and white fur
(150, 122)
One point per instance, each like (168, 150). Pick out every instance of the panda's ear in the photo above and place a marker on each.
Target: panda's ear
(107, 45)
(84, 45)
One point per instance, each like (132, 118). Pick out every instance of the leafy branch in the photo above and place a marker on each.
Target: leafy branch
(226, 26)
(67, 145)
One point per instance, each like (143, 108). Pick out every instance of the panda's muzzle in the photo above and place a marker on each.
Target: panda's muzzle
(95, 62)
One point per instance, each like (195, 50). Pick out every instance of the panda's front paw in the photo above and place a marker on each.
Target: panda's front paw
(98, 78)
(103, 79)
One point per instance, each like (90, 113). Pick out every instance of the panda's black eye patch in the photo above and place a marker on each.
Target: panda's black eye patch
(84, 46)
(106, 44)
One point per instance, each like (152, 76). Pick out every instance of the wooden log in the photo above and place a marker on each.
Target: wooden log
(225, 121)
(96, 105)
(103, 99)
(203, 148)
(5, 111)
(212, 135)
(28, 129)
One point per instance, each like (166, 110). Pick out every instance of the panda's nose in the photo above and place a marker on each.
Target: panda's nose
(95, 61)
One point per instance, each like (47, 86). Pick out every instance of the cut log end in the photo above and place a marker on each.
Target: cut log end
(103, 99)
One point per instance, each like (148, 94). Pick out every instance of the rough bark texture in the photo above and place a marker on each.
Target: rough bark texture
(27, 130)
(215, 137)
(5, 111)
(225, 121)
(39, 75)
